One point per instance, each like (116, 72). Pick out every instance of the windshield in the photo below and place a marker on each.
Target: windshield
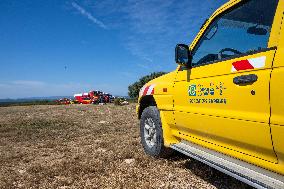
(240, 31)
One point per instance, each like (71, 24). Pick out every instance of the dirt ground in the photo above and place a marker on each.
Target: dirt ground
(89, 146)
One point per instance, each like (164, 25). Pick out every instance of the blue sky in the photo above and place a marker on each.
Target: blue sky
(52, 47)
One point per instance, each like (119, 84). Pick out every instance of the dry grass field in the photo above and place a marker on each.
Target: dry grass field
(88, 146)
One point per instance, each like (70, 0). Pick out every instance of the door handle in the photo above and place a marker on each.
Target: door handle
(245, 79)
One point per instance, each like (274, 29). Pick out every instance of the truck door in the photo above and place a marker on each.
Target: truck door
(223, 101)
(276, 96)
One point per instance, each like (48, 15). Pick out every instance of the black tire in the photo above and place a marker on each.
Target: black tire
(157, 149)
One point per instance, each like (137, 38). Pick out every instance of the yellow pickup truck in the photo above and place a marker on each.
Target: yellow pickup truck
(224, 103)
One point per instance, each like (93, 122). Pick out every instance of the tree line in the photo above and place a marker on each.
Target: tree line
(133, 89)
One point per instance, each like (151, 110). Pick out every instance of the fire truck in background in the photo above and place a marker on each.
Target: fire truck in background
(93, 97)
(64, 101)
(82, 98)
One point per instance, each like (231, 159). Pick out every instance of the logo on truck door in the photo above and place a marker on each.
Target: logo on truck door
(192, 90)
(206, 93)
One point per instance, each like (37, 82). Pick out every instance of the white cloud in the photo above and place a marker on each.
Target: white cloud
(29, 88)
(144, 66)
(28, 83)
(88, 15)
(151, 29)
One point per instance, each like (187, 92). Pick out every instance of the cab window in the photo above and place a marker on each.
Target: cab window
(243, 30)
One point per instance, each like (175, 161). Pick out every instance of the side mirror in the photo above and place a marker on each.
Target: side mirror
(183, 55)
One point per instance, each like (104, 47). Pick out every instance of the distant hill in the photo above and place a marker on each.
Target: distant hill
(51, 98)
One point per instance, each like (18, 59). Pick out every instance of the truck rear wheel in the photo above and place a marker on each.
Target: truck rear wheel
(151, 133)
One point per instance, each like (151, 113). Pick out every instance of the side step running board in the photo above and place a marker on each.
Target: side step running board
(245, 172)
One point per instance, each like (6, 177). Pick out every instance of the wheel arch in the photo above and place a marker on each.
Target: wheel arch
(145, 102)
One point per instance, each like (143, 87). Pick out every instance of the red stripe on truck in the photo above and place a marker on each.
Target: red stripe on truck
(145, 91)
(242, 65)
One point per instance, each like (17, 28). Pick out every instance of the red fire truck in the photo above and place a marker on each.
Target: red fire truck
(82, 98)
(93, 97)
